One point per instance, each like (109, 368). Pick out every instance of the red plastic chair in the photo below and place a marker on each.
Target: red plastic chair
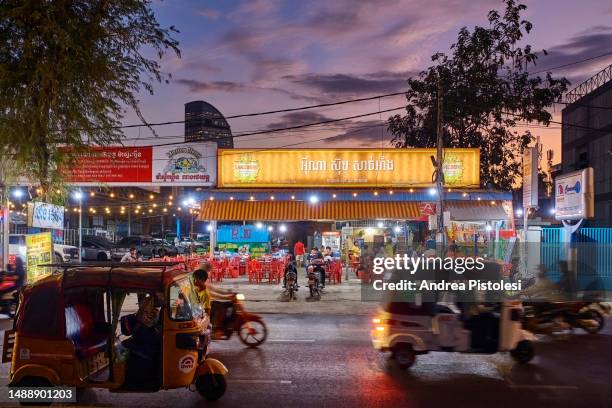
(233, 267)
(254, 271)
(216, 271)
(274, 275)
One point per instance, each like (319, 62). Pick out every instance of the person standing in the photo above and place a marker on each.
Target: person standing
(298, 251)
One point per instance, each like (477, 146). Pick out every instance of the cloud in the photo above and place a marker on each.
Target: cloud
(200, 65)
(194, 85)
(586, 44)
(297, 119)
(348, 84)
(255, 8)
(335, 21)
(209, 13)
(372, 133)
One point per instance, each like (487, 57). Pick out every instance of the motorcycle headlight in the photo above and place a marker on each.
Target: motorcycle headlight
(239, 296)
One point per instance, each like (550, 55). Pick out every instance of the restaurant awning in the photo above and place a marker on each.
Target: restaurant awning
(301, 210)
(476, 211)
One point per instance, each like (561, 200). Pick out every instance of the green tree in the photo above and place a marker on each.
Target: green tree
(68, 71)
(487, 91)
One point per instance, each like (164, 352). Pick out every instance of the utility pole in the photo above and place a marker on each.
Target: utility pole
(4, 204)
(441, 238)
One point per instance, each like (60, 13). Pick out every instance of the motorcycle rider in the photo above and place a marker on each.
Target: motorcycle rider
(544, 288)
(290, 268)
(17, 277)
(215, 301)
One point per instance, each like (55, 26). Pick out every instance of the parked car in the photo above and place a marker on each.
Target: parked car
(147, 247)
(166, 249)
(191, 246)
(96, 248)
(61, 253)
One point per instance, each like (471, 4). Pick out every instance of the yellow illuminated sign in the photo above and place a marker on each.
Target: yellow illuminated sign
(345, 168)
(39, 251)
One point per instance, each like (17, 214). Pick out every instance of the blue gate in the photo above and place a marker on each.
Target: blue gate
(593, 253)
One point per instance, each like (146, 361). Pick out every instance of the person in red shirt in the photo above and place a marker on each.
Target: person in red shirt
(298, 251)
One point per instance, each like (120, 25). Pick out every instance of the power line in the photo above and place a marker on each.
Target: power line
(286, 128)
(132, 139)
(244, 115)
(571, 63)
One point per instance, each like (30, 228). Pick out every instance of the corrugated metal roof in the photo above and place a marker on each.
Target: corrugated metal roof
(235, 210)
(300, 210)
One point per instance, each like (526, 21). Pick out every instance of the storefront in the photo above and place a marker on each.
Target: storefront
(354, 199)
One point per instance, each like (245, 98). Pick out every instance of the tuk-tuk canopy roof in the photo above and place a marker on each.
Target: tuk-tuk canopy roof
(42, 313)
(133, 275)
(136, 275)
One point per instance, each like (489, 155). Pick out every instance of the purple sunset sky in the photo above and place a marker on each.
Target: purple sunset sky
(256, 55)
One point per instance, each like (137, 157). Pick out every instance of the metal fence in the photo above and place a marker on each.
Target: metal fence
(71, 236)
(592, 248)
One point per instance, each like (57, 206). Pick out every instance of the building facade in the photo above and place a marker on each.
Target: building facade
(204, 122)
(586, 138)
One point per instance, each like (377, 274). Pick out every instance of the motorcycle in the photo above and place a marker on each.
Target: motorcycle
(588, 316)
(545, 318)
(250, 327)
(9, 295)
(557, 317)
(291, 286)
(314, 282)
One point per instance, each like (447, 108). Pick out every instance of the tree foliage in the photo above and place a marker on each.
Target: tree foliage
(68, 69)
(487, 91)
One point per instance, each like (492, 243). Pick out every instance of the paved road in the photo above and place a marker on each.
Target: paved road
(327, 361)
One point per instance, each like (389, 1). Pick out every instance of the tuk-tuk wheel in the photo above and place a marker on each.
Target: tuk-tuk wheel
(34, 382)
(404, 356)
(524, 352)
(12, 309)
(211, 386)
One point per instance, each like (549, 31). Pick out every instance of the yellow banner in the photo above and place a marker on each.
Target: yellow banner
(39, 251)
(345, 168)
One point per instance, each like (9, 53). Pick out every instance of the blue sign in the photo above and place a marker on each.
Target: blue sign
(242, 234)
(45, 215)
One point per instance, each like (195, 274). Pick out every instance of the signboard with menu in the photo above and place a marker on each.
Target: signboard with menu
(345, 168)
(39, 251)
(188, 164)
(575, 195)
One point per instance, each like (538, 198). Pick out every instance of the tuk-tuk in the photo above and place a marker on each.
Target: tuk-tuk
(76, 328)
(408, 329)
(485, 322)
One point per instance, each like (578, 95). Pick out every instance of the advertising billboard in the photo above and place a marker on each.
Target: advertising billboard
(39, 251)
(185, 164)
(530, 177)
(345, 168)
(45, 215)
(575, 195)
(232, 237)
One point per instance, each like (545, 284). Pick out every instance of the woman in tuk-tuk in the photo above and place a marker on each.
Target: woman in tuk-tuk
(73, 329)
